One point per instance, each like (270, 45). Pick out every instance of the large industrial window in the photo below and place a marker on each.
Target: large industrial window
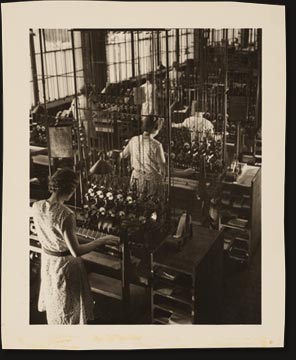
(145, 52)
(148, 50)
(171, 47)
(120, 53)
(58, 63)
(241, 38)
(186, 45)
(119, 56)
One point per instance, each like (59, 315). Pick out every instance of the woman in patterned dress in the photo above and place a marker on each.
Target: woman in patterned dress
(147, 157)
(64, 293)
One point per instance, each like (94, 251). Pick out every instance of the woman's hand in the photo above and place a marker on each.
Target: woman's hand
(183, 173)
(107, 240)
(189, 172)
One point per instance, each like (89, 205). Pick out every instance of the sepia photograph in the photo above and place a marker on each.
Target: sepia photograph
(145, 176)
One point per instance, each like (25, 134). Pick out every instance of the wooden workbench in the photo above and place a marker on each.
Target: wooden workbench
(195, 290)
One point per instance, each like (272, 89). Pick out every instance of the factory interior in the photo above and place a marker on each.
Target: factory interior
(189, 237)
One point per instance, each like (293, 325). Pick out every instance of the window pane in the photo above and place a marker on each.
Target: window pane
(58, 62)
(118, 52)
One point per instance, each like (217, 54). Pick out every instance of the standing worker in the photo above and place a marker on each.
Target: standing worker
(147, 157)
(197, 125)
(149, 105)
(64, 293)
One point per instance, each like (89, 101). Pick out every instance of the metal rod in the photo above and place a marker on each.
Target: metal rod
(158, 48)
(177, 47)
(34, 68)
(258, 94)
(57, 81)
(225, 95)
(237, 141)
(154, 107)
(168, 112)
(45, 59)
(90, 58)
(77, 119)
(133, 54)
(44, 102)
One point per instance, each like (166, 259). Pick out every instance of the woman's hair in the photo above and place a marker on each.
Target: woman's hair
(85, 90)
(150, 77)
(63, 181)
(151, 123)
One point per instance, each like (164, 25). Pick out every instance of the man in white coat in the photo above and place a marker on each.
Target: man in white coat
(197, 125)
(149, 106)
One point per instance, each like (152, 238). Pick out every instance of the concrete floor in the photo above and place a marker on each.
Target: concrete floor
(241, 301)
(242, 292)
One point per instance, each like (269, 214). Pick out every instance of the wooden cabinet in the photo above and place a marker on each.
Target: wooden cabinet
(187, 284)
(240, 213)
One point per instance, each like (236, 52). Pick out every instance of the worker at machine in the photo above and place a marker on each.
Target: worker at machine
(197, 125)
(147, 157)
(84, 106)
(64, 293)
(175, 82)
(149, 104)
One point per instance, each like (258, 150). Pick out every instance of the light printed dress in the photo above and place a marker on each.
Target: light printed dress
(64, 293)
(149, 106)
(145, 155)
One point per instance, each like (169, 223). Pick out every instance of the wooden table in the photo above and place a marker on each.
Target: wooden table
(198, 268)
(191, 254)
